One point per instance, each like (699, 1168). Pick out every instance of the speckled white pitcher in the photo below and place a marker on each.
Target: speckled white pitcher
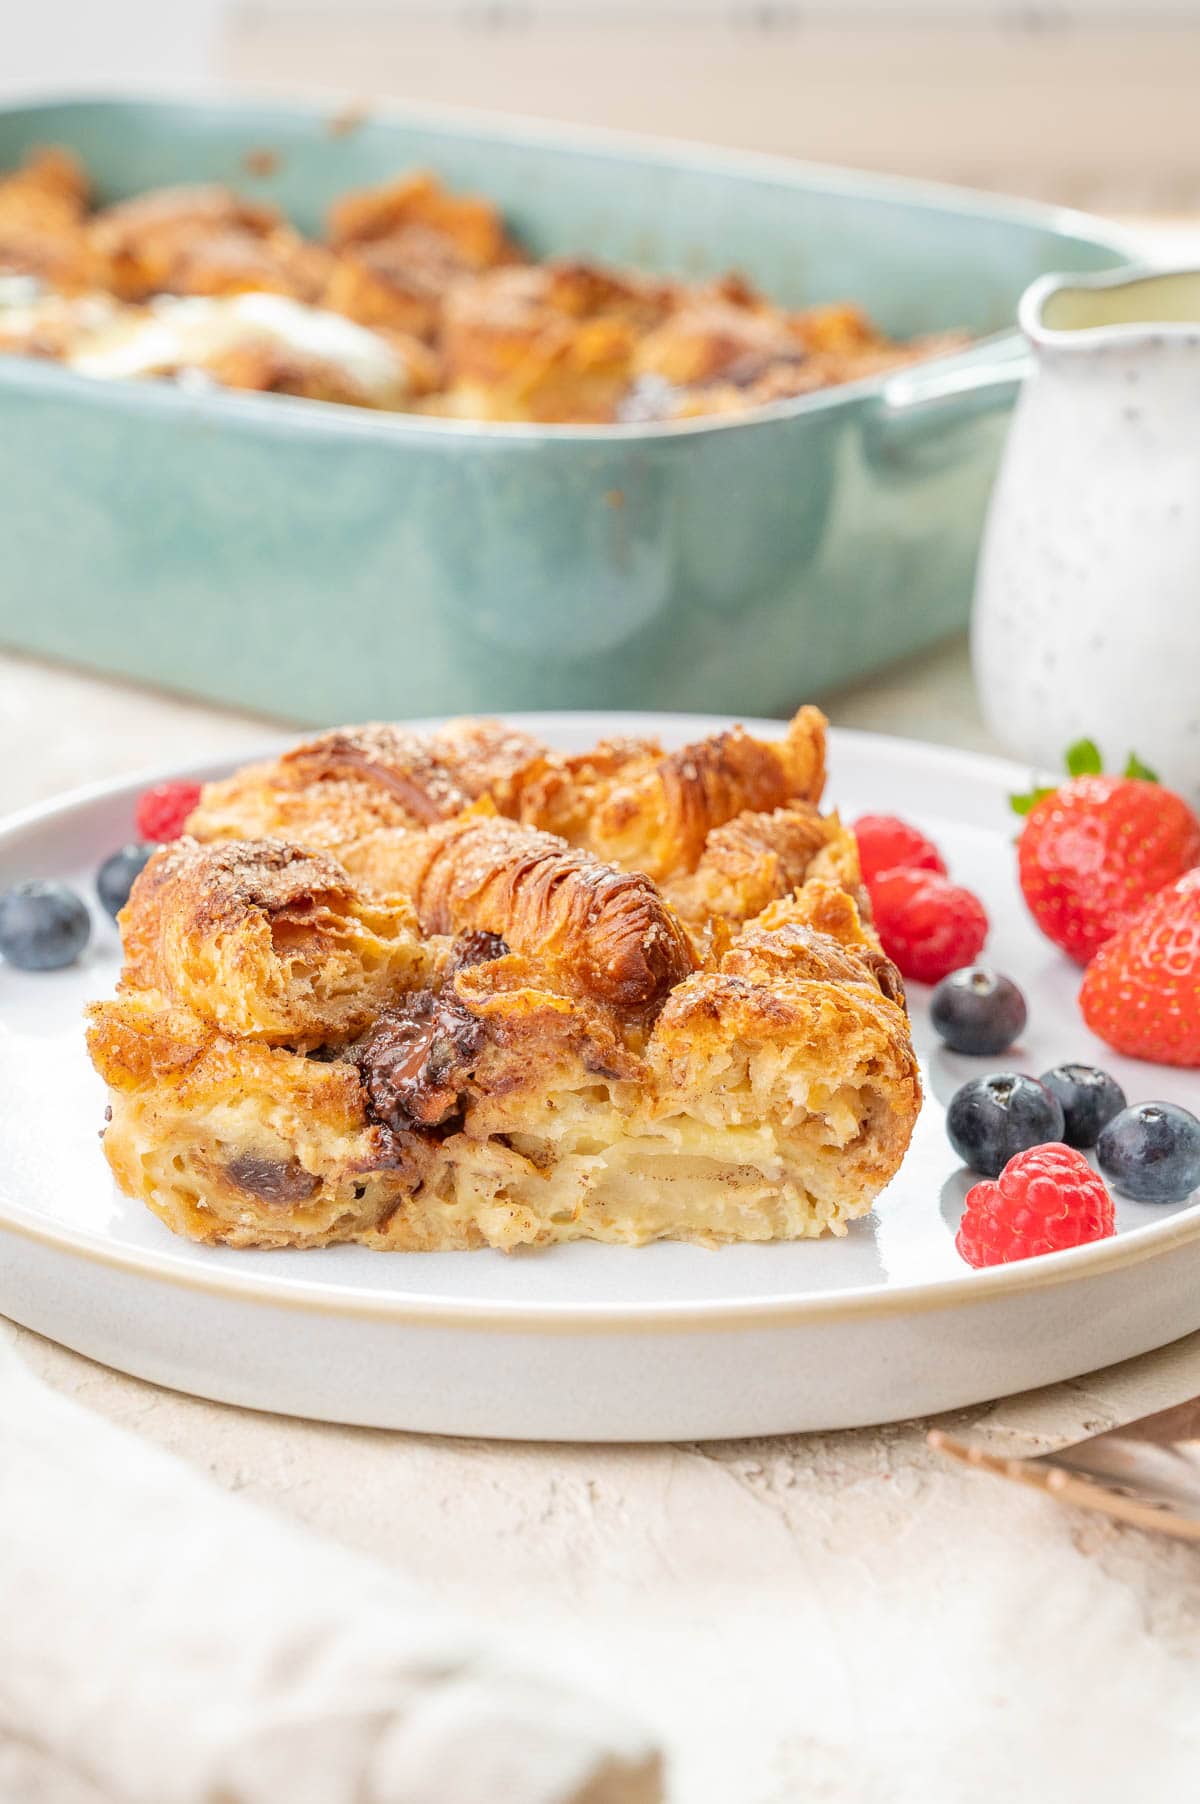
(1087, 604)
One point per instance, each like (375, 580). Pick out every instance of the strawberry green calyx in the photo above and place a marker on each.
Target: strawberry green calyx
(1021, 804)
(1082, 759)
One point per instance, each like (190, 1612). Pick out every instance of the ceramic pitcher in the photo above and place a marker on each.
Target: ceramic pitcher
(1087, 604)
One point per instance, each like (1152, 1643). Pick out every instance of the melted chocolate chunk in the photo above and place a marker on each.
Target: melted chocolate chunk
(271, 1180)
(475, 947)
(388, 1151)
(416, 1061)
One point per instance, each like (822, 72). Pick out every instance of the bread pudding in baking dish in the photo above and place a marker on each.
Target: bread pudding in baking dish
(414, 300)
(434, 992)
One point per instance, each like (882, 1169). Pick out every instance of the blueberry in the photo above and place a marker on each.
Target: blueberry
(43, 926)
(1089, 1097)
(992, 1118)
(116, 875)
(976, 1010)
(1152, 1153)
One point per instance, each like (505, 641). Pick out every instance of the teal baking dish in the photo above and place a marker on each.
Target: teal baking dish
(323, 563)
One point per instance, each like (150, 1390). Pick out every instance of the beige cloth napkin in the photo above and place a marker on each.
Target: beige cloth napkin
(162, 1642)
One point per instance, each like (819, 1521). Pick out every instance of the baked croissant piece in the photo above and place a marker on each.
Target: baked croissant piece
(528, 1050)
(723, 825)
(602, 932)
(43, 235)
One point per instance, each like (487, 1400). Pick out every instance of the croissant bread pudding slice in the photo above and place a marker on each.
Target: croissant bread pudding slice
(529, 1050)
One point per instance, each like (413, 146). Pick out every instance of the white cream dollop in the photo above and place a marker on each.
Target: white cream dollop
(193, 332)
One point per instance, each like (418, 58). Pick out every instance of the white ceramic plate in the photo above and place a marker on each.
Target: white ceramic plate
(586, 1342)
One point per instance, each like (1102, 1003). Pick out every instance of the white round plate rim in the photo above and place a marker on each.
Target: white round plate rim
(1131, 1247)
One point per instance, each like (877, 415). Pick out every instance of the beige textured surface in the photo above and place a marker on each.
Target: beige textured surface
(834, 1618)
(1080, 102)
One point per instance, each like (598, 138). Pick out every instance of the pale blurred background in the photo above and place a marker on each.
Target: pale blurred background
(1091, 102)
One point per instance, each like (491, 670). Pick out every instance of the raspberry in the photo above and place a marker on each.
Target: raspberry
(888, 844)
(928, 925)
(1044, 1200)
(162, 811)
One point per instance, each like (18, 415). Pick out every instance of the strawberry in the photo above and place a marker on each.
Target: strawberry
(1094, 851)
(1141, 992)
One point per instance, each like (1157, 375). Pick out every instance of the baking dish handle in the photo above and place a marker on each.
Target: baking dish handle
(920, 408)
(914, 394)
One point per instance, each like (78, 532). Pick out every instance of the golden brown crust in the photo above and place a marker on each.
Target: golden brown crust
(711, 340)
(396, 284)
(827, 904)
(223, 260)
(604, 931)
(51, 181)
(405, 767)
(522, 363)
(402, 249)
(354, 791)
(650, 810)
(680, 817)
(267, 940)
(729, 350)
(148, 245)
(42, 235)
(754, 859)
(555, 341)
(794, 949)
(470, 225)
(489, 758)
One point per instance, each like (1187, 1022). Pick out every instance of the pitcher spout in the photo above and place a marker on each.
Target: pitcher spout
(1120, 307)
